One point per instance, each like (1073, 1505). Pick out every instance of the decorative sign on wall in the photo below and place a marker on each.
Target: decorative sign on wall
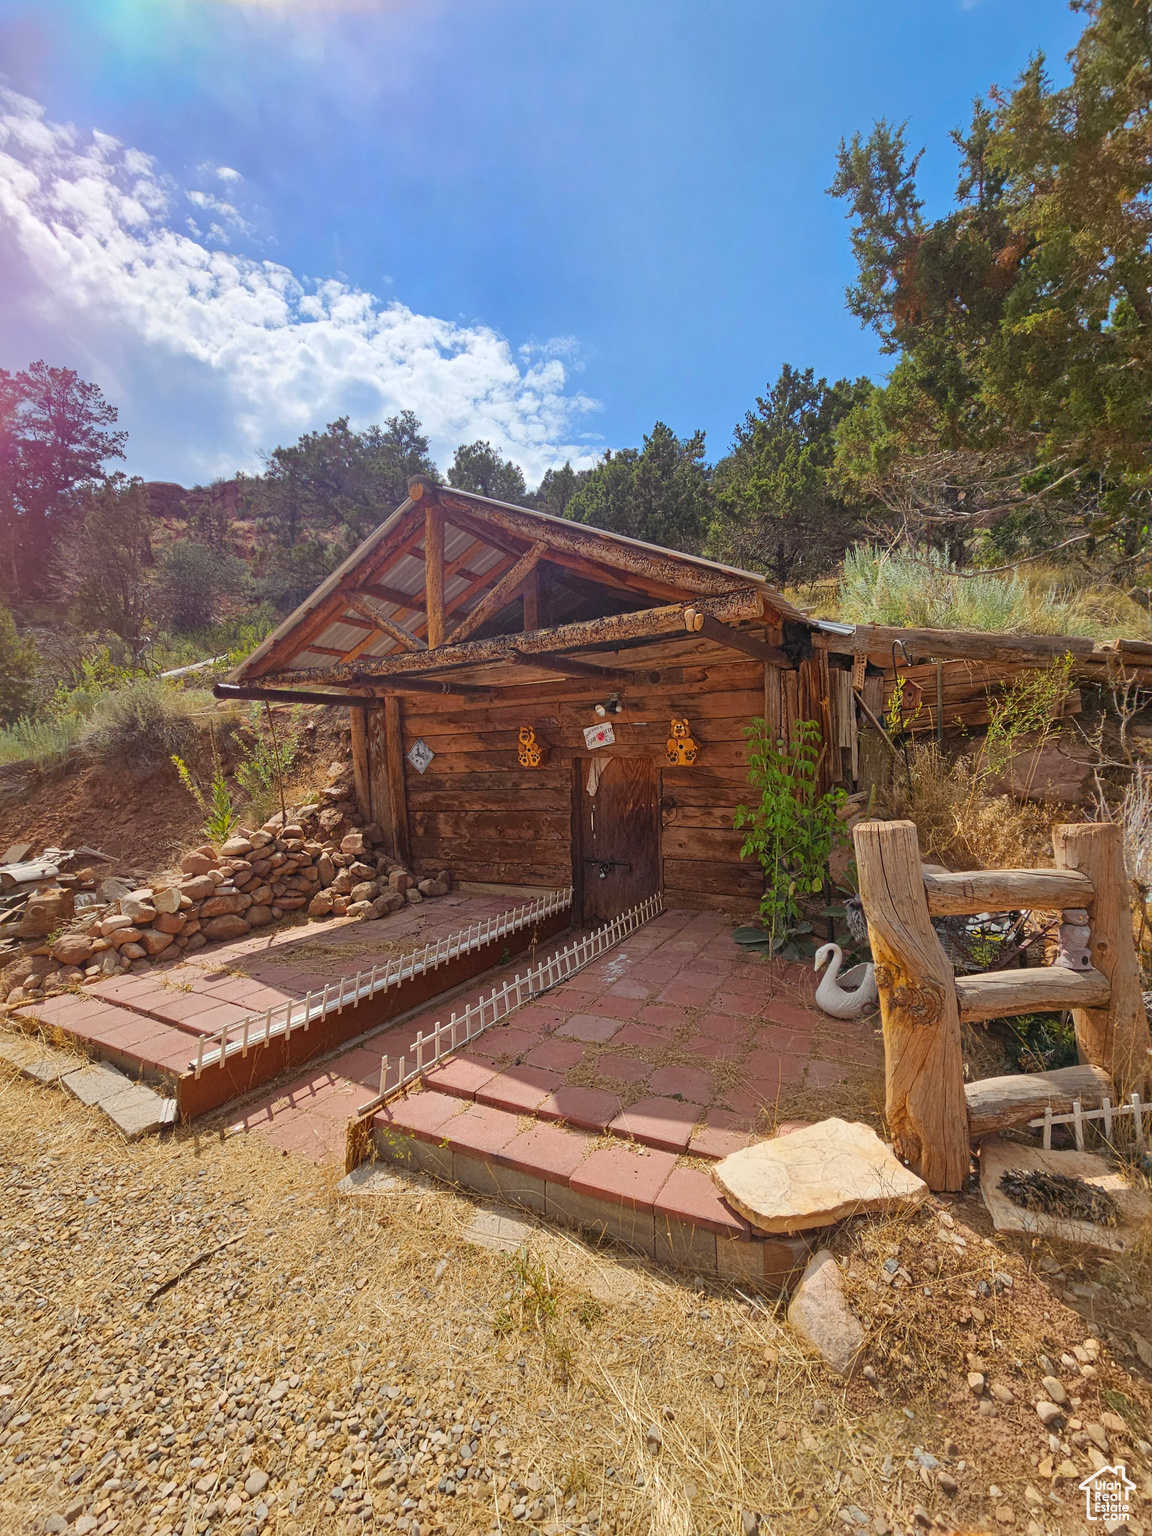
(420, 754)
(532, 753)
(681, 747)
(599, 735)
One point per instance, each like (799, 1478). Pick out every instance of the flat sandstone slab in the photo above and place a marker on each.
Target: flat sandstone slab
(998, 1156)
(814, 1177)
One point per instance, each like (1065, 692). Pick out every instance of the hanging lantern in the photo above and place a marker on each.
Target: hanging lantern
(682, 749)
(532, 753)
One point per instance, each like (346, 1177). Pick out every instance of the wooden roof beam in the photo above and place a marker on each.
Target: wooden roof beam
(500, 595)
(697, 623)
(567, 666)
(649, 623)
(386, 626)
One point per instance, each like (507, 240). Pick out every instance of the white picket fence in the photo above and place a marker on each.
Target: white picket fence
(259, 1029)
(397, 1073)
(1108, 1114)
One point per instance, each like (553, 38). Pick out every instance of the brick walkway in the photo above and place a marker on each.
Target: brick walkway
(676, 1041)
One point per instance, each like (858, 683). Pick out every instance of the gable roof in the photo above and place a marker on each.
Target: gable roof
(373, 607)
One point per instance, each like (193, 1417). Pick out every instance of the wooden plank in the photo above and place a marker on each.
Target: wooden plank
(568, 736)
(430, 798)
(1003, 1103)
(1044, 988)
(719, 754)
(1117, 1037)
(532, 600)
(434, 574)
(511, 710)
(718, 879)
(478, 826)
(924, 1066)
(709, 843)
(1006, 890)
(738, 640)
(395, 631)
(504, 871)
(379, 793)
(358, 719)
(568, 666)
(499, 597)
(397, 798)
(964, 644)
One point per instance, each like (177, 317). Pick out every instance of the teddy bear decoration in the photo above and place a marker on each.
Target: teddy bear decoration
(532, 753)
(682, 751)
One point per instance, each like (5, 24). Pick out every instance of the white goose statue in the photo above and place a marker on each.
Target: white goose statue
(831, 994)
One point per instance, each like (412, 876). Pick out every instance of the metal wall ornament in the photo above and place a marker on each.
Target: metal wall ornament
(532, 753)
(420, 754)
(682, 750)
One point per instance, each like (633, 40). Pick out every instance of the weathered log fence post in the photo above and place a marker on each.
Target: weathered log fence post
(1114, 1036)
(924, 1067)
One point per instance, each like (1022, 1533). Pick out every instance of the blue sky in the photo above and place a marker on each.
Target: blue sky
(545, 222)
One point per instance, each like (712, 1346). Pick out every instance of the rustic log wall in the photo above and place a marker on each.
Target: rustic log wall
(477, 812)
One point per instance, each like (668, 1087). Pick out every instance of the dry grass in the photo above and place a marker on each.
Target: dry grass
(961, 825)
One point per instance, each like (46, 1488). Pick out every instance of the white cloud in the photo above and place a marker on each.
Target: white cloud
(245, 353)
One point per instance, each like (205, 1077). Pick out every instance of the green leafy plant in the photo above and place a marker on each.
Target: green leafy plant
(220, 816)
(267, 759)
(140, 727)
(1029, 711)
(793, 829)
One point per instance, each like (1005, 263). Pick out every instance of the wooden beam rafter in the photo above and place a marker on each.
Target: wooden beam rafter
(393, 630)
(501, 594)
(735, 639)
(434, 575)
(567, 666)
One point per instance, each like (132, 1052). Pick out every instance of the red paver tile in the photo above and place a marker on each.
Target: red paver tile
(460, 1076)
(780, 1041)
(754, 986)
(180, 1006)
(625, 1069)
(499, 1042)
(864, 1052)
(589, 1108)
(824, 1074)
(686, 994)
(360, 1066)
(628, 987)
(547, 1151)
(624, 1176)
(725, 1026)
(662, 1016)
(719, 1140)
(661, 1123)
(422, 1115)
(691, 1083)
(483, 1132)
(590, 1027)
(542, 1016)
(556, 1055)
(714, 1050)
(637, 1037)
(690, 1195)
(791, 1016)
(622, 1008)
(217, 1016)
(772, 1067)
(519, 1089)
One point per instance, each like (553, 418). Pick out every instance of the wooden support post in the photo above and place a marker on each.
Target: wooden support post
(924, 1068)
(532, 600)
(358, 716)
(1114, 1037)
(397, 793)
(434, 574)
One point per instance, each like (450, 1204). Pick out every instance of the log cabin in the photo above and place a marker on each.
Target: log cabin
(536, 704)
(484, 650)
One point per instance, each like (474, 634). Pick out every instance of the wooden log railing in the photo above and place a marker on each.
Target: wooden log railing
(923, 1004)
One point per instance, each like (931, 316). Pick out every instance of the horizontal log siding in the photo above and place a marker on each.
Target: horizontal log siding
(477, 812)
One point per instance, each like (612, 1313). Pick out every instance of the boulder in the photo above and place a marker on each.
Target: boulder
(820, 1314)
(293, 830)
(320, 905)
(413, 896)
(197, 863)
(45, 911)
(261, 894)
(325, 869)
(138, 905)
(389, 902)
(153, 940)
(1049, 773)
(291, 903)
(400, 880)
(112, 889)
(170, 922)
(259, 916)
(360, 909)
(72, 949)
(366, 890)
(197, 887)
(122, 936)
(235, 848)
(362, 871)
(110, 925)
(220, 906)
(332, 820)
(133, 951)
(343, 883)
(195, 941)
(353, 844)
(816, 1176)
(167, 900)
(230, 925)
(432, 888)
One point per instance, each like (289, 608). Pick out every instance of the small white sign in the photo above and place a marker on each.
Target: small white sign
(599, 735)
(1108, 1494)
(420, 754)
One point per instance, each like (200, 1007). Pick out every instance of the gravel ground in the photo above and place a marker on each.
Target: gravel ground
(200, 1335)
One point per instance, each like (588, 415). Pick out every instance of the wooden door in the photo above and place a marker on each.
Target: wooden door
(619, 843)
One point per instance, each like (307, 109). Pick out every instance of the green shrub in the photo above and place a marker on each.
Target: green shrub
(267, 759)
(191, 580)
(45, 742)
(140, 728)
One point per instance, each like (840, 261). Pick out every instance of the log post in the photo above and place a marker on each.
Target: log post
(358, 718)
(1114, 1037)
(924, 1068)
(434, 574)
(397, 791)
